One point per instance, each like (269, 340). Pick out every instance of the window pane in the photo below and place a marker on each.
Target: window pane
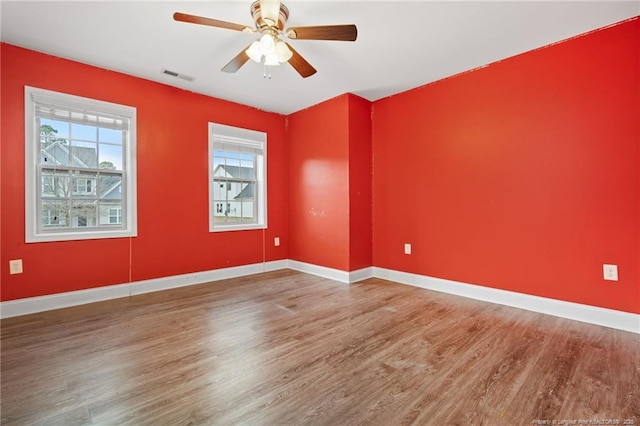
(50, 130)
(109, 187)
(55, 214)
(247, 166)
(110, 157)
(87, 133)
(55, 184)
(84, 184)
(218, 160)
(110, 214)
(55, 153)
(110, 135)
(115, 216)
(48, 186)
(222, 210)
(246, 191)
(233, 214)
(247, 210)
(83, 214)
(84, 154)
(232, 159)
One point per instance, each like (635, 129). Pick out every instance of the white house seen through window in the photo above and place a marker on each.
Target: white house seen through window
(237, 178)
(80, 167)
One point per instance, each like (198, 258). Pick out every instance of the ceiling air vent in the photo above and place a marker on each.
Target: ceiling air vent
(177, 74)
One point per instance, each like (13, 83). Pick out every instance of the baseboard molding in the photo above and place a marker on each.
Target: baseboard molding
(176, 281)
(361, 274)
(33, 305)
(320, 271)
(590, 314)
(331, 273)
(276, 265)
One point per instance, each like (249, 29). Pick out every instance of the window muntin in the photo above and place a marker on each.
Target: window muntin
(80, 164)
(237, 176)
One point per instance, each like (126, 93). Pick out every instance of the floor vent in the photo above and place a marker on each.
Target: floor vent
(177, 74)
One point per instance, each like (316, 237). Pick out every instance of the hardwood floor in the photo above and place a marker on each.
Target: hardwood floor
(285, 348)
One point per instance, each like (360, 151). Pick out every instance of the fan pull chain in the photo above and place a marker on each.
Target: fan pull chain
(266, 73)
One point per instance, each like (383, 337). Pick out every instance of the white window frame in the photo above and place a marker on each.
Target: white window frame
(35, 233)
(228, 138)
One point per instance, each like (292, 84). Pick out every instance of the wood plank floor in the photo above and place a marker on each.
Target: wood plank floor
(285, 348)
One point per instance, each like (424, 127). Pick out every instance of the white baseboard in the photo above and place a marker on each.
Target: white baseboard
(575, 311)
(320, 271)
(361, 274)
(331, 273)
(276, 265)
(30, 305)
(175, 281)
(590, 314)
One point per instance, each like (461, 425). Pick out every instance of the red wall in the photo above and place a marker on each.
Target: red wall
(318, 141)
(330, 184)
(360, 184)
(523, 175)
(173, 236)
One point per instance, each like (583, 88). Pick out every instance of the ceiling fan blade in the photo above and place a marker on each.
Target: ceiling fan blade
(324, 32)
(193, 19)
(236, 63)
(270, 9)
(300, 64)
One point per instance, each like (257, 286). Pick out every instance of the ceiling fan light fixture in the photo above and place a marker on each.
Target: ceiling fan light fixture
(270, 17)
(283, 51)
(254, 52)
(271, 59)
(267, 44)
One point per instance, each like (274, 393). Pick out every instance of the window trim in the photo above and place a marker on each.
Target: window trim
(231, 134)
(33, 206)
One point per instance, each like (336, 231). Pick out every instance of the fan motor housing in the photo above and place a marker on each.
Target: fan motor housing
(261, 24)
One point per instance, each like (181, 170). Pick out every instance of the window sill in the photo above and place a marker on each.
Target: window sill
(73, 236)
(247, 227)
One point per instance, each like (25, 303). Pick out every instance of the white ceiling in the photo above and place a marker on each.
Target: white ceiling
(401, 45)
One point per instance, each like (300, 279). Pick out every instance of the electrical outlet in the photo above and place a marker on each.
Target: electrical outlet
(15, 266)
(610, 272)
(276, 241)
(407, 248)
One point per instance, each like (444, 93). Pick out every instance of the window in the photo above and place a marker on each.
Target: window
(115, 216)
(237, 178)
(83, 186)
(79, 167)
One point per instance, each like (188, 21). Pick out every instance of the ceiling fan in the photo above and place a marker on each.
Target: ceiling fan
(270, 17)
